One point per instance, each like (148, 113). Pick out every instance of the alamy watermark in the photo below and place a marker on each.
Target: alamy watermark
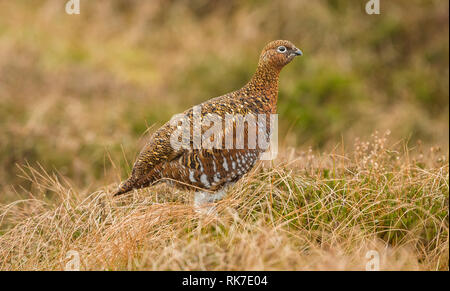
(228, 131)
(73, 263)
(373, 263)
(73, 7)
(373, 7)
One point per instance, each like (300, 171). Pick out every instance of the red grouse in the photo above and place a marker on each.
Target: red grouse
(209, 169)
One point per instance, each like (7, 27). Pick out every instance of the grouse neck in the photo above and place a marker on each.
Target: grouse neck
(264, 86)
(265, 78)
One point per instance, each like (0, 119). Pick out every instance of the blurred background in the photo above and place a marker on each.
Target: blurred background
(78, 92)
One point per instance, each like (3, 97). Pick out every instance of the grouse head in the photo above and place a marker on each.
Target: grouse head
(278, 53)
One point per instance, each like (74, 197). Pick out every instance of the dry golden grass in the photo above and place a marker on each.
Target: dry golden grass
(306, 212)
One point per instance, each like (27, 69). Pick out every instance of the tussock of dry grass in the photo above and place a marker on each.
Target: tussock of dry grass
(306, 212)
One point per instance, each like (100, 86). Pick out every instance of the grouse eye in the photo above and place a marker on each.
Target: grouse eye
(281, 49)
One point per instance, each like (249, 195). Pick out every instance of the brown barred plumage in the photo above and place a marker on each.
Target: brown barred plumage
(212, 169)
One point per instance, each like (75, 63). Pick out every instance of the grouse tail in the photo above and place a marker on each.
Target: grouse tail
(124, 187)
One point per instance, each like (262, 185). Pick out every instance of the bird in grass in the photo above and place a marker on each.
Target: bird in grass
(209, 171)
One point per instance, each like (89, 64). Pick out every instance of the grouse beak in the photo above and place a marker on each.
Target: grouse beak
(298, 52)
